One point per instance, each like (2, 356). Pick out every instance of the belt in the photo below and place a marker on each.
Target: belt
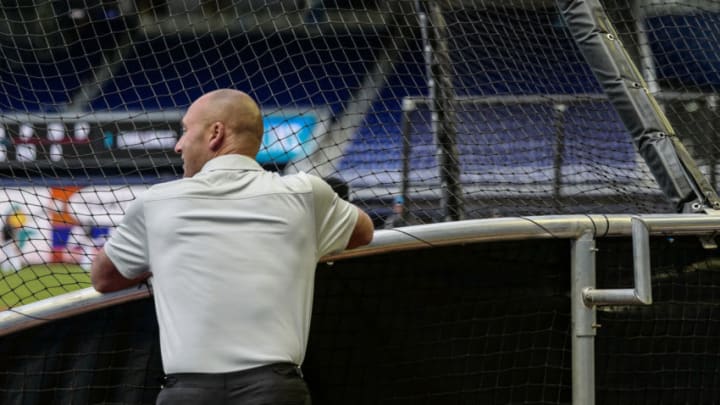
(232, 378)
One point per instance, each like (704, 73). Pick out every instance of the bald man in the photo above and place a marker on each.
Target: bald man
(232, 249)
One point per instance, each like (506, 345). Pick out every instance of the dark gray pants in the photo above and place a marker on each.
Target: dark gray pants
(274, 384)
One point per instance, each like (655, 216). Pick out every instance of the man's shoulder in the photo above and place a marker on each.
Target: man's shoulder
(166, 189)
(266, 183)
(300, 182)
(315, 185)
(168, 185)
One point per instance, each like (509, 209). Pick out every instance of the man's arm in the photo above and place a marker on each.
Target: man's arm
(363, 232)
(105, 276)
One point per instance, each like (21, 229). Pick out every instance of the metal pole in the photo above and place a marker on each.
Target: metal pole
(647, 62)
(443, 110)
(712, 105)
(428, 57)
(408, 107)
(641, 293)
(559, 149)
(583, 320)
(641, 261)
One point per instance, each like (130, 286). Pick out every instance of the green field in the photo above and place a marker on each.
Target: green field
(37, 282)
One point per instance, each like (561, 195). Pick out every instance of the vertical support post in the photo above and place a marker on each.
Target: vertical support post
(408, 108)
(641, 261)
(443, 109)
(583, 320)
(647, 62)
(559, 124)
(712, 105)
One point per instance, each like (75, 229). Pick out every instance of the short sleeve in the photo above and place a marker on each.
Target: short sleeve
(335, 218)
(127, 246)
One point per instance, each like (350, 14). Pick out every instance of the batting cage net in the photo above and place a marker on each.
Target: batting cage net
(440, 111)
(452, 325)
(417, 111)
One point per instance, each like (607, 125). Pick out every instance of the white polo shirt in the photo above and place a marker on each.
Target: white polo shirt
(233, 252)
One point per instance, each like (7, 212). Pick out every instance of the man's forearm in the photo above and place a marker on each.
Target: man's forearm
(106, 278)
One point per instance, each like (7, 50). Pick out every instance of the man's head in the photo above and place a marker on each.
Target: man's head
(219, 123)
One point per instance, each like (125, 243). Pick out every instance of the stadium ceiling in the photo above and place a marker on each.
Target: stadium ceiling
(312, 19)
(271, 21)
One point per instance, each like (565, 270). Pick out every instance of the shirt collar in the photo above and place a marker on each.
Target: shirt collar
(231, 162)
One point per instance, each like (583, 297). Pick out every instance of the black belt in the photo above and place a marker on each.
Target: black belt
(232, 378)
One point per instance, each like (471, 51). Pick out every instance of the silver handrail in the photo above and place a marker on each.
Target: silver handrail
(641, 294)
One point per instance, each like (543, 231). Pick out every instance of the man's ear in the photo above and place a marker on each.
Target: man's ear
(217, 136)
